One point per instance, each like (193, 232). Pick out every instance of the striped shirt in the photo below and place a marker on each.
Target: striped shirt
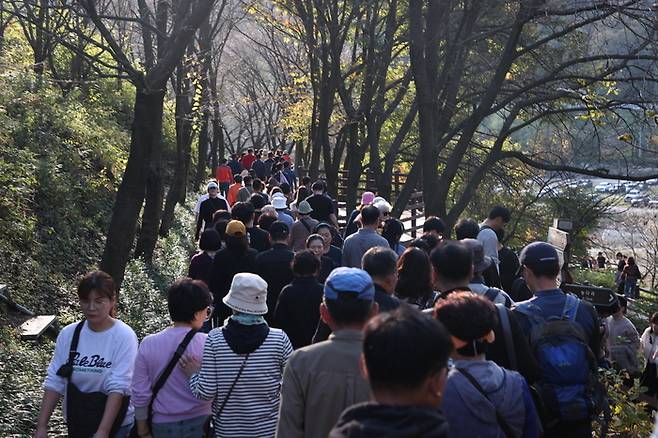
(253, 407)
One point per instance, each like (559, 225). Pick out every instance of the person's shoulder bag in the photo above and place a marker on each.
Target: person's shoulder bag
(168, 370)
(85, 409)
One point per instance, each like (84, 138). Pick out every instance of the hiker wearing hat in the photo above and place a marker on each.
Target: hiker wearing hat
(303, 226)
(236, 257)
(242, 364)
(481, 399)
(245, 213)
(561, 329)
(274, 265)
(323, 379)
(281, 206)
(208, 207)
(481, 263)
(352, 225)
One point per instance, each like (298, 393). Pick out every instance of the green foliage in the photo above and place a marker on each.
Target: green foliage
(604, 278)
(22, 370)
(629, 416)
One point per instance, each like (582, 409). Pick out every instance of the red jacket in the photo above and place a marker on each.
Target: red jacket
(248, 160)
(224, 174)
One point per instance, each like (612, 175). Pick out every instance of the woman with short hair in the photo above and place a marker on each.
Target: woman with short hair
(92, 367)
(175, 410)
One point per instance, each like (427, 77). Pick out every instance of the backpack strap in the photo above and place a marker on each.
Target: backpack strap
(507, 430)
(507, 335)
(532, 312)
(491, 294)
(66, 370)
(167, 371)
(570, 308)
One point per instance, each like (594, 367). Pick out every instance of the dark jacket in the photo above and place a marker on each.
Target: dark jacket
(326, 266)
(200, 266)
(383, 421)
(336, 256)
(206, 210)
(235, 166)
(274, 267)
(259, 239)
(226, 264)
(385, 301)
(298, 310)
(243, 339)
(509, 267)
(258, 167)
(351, 227)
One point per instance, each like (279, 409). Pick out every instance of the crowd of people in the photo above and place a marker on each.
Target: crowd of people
(288, 327)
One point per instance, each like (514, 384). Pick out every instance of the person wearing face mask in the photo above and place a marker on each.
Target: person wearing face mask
(481, 398)
(649, 343)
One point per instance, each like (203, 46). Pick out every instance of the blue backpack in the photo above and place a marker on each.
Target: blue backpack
(569, 387)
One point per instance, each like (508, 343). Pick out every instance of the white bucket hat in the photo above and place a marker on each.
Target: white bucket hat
(279, 203)
(248, 294)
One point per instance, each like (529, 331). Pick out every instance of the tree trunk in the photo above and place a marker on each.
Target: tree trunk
(178, 186)
(202, 157)
(146, 135)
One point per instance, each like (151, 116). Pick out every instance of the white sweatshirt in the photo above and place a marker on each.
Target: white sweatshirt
(104, 362)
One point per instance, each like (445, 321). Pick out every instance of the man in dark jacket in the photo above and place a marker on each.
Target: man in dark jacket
(381, 264)
(274, 265)
(208, 208)
(235, 258)
(406, 356)
(453, 269)
(298, 308)
(258, 239)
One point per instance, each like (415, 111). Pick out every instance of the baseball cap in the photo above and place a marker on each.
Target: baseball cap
(212, 185)
(480, 261)
(538, 253)
(349, 280)
(304, 208)
(235, 229)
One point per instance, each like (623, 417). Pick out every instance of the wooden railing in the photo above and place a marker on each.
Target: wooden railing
(412, 216)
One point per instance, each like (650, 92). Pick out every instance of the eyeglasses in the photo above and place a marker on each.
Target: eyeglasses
(99, 302)
(209, 311)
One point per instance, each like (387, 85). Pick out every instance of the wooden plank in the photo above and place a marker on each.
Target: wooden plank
(34, 327)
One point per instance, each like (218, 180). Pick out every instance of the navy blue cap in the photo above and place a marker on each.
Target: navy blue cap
(350, 280)
(538, 253)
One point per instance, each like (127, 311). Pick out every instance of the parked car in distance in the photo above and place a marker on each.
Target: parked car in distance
(640, 201)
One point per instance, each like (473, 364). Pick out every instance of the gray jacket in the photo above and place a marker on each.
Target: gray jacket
(358, 243)
(319, 382)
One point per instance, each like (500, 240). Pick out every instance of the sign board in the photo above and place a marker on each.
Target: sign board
(558, 238)
(563, 224)
(603, 299)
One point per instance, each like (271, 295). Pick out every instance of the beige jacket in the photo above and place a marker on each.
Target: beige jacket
(301, 229)
(319, 382)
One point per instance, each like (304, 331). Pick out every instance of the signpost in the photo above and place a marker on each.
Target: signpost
(603, 299)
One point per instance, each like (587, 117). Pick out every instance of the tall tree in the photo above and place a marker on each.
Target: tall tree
(486, 70)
